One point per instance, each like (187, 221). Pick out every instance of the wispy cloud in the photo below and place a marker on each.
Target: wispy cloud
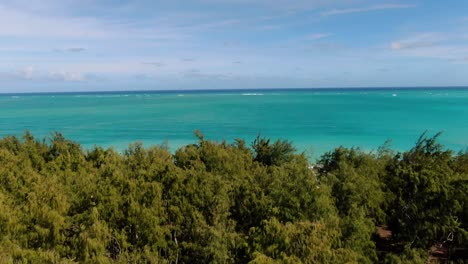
(268, 27)
(29, 73)
(26, 73)
(344, 11)
(154, 64)
(32, 75)
(418, 41)
(221, 24)
(188, 59)
(445, 52)
(411, 45)
(67, 76)
(325, 46)
(445, 46)
(200, 75)
(318, 36)
(285, 5)
(19, 23)
(74, 49)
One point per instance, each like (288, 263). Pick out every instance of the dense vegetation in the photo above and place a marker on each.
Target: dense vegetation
(228, 203)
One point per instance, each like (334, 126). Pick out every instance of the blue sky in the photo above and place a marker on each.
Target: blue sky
(86, 45)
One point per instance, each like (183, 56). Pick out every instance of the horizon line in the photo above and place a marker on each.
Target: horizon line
(238, 89)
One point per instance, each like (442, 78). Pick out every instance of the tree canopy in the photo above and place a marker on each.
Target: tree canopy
(219, 202)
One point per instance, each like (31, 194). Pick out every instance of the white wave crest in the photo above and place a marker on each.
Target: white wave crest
(252, 94)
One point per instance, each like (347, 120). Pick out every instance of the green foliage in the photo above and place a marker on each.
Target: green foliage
(355, 179)
(308, 242)
(429, 203)
(272, 154)
(225, 203)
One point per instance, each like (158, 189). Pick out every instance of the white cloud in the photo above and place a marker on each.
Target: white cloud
(446, 52)
(334, 12)
(325, 46)
(21, 24)
(412, 45)
(18, 23)
(447, 46)
(67, 76)
(215, 24)
(154, 64)
(29, 73)
(280, 4)
(318, 36)
(420, 40)
(26, 73)
(22, 74)
(74, 49)
(77, 49)
(188, 59)
(268, 27)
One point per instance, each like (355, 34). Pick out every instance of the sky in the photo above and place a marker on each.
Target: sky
(102, 45)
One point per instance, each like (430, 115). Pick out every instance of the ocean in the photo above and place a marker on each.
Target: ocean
(315, 120)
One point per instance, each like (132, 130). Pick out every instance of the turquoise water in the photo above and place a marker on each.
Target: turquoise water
(315, 120)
